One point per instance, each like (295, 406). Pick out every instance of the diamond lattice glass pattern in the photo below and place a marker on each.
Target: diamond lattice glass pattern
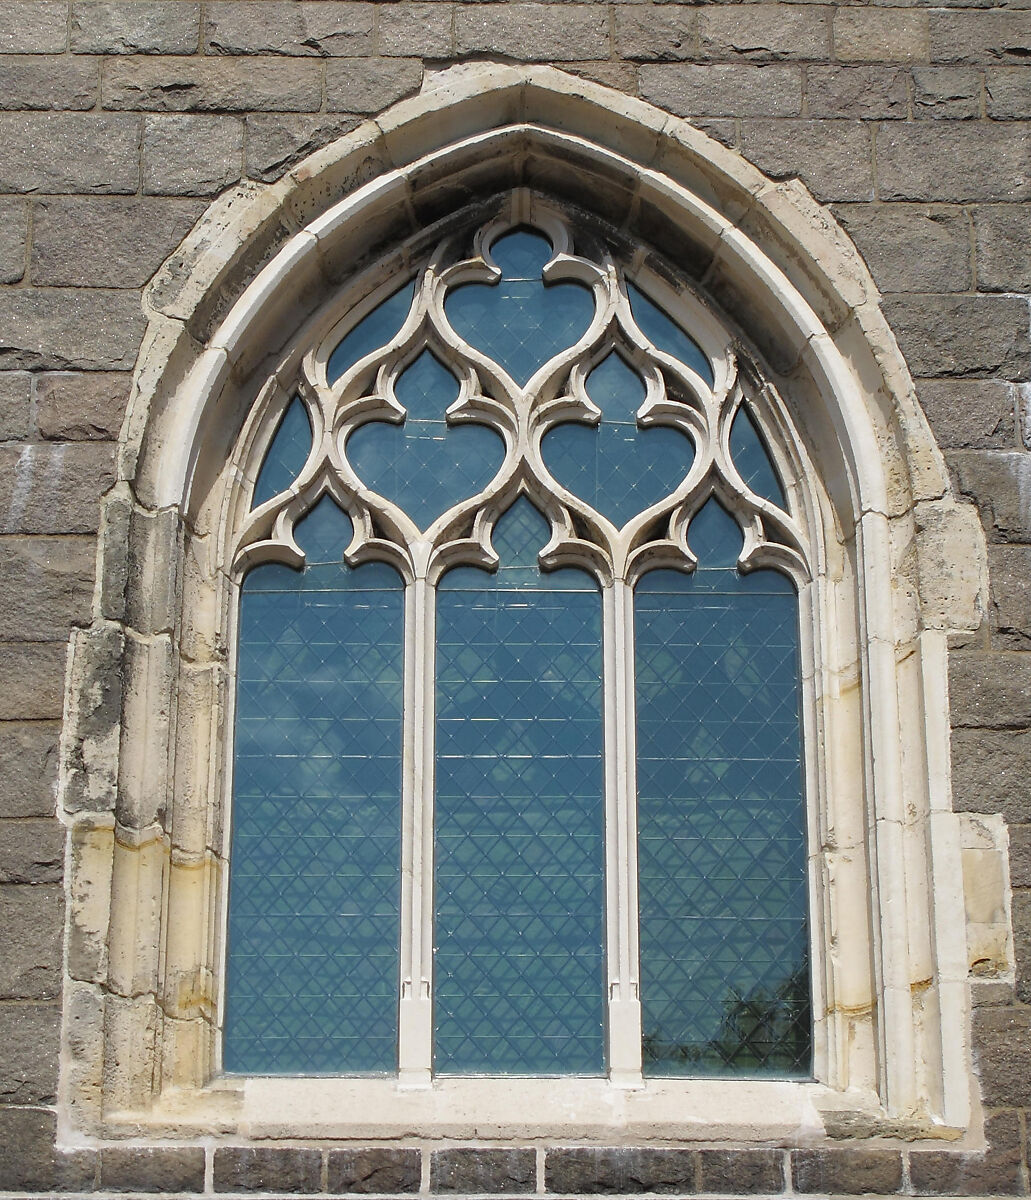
(286, 454)
(722, 871)
(666, 335)
(372, 332)
(752, 460)
(315, 861)
(519, 837)
(520, 322)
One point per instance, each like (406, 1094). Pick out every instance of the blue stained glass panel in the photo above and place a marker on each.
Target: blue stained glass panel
(286, 454)
(666, 335)
(520, 322)
(752, 459)
(425, 465)
(373, 331)
(519, 893)
(314, 895)
(616, 466)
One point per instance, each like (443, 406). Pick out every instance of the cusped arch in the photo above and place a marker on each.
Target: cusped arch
(232, 307)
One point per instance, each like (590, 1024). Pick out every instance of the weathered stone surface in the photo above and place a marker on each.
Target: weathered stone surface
(911, 248)
(724, 91)
(15, 400)
(134, 26)
(998, 482)
(1010, 571)
(852, 1171)
(168, 1169)
(657, 34)
(61, 329)
(267, 1169)
(191, 156)
(880, 34)
(990, 769)
(54, 489)
(279, 27)
(379, 1169)
(69, 152)
(87, 406)
(31, 81)
(33, 675)
(28, 768)
(991, 691)
(31, 936)
(764, 31)
(952, 92)
(1002, 1052)
(31, 851)
(587, 1171)
(1003, 248)
(862, 91)
(533, 32)
(1020, 855)
(414, 29)
(975, 414)
(28, 1160)
(106, 242)
(483, 1171)
(994, 1173)
(212, 85)
(1008, 93)
(278, 141)
(14, 225)
(30, 1034)
(46, 586)
(832, 158)
(980, 37)
(366, 85)
(971, 160)
(962, 335)
(741, 1172)
(34, 27)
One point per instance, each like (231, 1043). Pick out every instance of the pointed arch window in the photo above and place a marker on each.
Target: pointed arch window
(519, 776)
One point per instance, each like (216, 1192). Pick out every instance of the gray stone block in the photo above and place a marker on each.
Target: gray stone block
(832, 158)
(62, 329)
(422, 30)
(278, 141)
(367, 85)
(46, 586)
(14, 227)
(951, 92)
(849, 1172)
(1003, 248)
(1008, 93)
(588, 1171)
(865, 34)
(962, 335)
(959, 162)
(31, 851)
(657, 34)
(34, 27)
(976, 414)
(30, 1035)
(33, 82)
(1002, 1052)
(324, 27)
(15, 405)
(28, 768)
(107, 242)
(134, 26)
(212, 85)
(533, 32)
(868, 92)
(54, 489)
(69, 152)
(996, 1172)
(979, 37)
(741, 1172)
(499, 1172)
(31, 937)
(191, 156)
(379, 1169)
(998, 482)
(990, 770)
(764, 31)
(267, 1169)
(86, 406)
(33, 675)
(990, 691)
(28, 1158)
(1009, 568)
(1020, 855)
(911, 248)
(1021, 919)
(724, 91)
(164, 1169)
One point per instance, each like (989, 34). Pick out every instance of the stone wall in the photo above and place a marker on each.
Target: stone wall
(121, 121)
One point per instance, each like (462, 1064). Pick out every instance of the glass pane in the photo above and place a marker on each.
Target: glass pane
(666, 335)
(425, 465)
(286, 454)
(374, 330)
(519, 841)
(617, 467)
(520, 322)
(752, 460)
(314, 894)
(721, 818)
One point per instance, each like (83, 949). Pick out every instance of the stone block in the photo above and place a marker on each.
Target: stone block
(62, 329)
(998, 482)
(367, 85)
(990, 691)
(69, 152)
(1020, 855)
(28, 768)
(490, 1172)
(419, 30)
(86, 406)
(15, 405)
(54, 489)
(1008, 93)
(724, 91)
(957, 162)
(993, 1173)
(33, 675)
(34, 27)
(164, 1169)
(212, 84)
(533, 32)
(278, 141)
(962, 335)
(380, 1169)
(587, 1171)
(832, 158)
(852, 1171)
(1002, 1054)
(30, 1035)
(667, 33)
(976, 414)
(864, 34)
(267, 1169)
(980, 37)
(324, 27)
(1003, 248)
(1009, 569)
(134, 26)
(741, 1172)
(1021, 920)
(191, 156)
(29, 1160)
(14, 226)
(46, 586)
(911, 248)
(990, 770)
(34, 82)
(867, 92)
(31, 939)
(31, 851)
(764, 31)
(951, 92)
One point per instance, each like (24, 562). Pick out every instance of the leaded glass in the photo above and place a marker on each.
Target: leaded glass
(752, 459)
(519, 851)
(286, 453)
(377, 328)
(315, 862)
(666, 335)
